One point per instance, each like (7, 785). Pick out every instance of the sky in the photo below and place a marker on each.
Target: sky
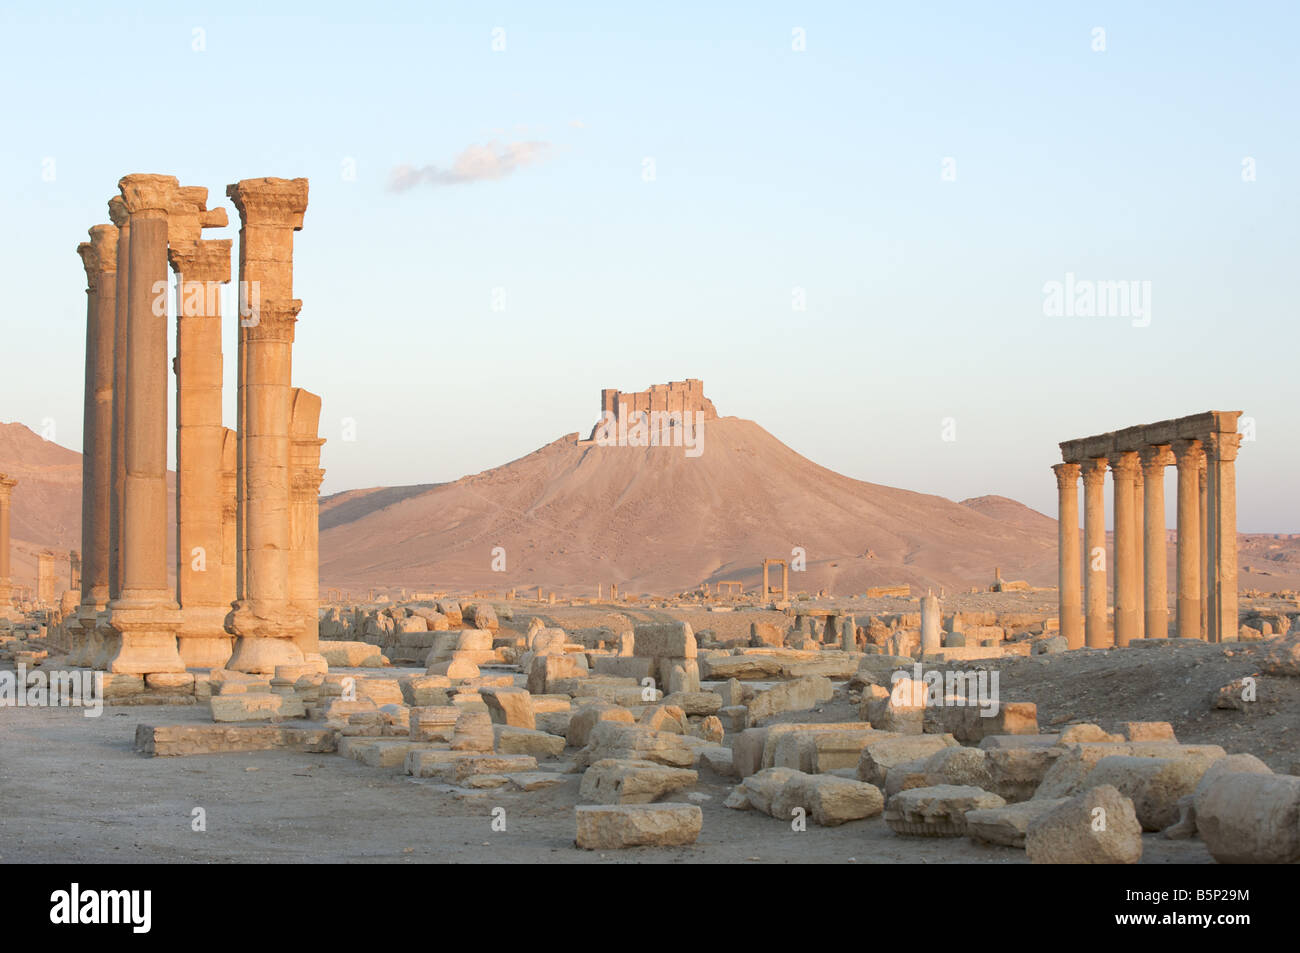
(844, 217)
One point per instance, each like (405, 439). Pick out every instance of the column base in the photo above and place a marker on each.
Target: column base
(202, 640)
(82, 632)
(263, 640)
(147, 631)
(1156, 625)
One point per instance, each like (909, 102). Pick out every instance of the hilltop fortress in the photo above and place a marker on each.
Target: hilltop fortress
(675, 396)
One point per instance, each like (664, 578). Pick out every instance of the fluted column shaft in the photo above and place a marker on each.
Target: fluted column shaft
(1096, 631)
(1188, 455)
(7, 485)
(265, 625)
(1070, 609)
(1124, 468)
(1221, 536)
(1155, 571)
(202, 267)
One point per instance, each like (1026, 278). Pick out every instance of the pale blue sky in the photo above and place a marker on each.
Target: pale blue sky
(775, 169)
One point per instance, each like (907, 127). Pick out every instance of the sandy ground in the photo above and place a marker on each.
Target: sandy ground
(74, 792)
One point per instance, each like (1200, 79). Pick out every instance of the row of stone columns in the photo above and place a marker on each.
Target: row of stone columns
(1203, 448)
(237, 534)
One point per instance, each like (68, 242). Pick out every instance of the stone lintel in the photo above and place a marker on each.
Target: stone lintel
(1192, 427)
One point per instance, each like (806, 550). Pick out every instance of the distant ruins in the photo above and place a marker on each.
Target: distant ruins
(246, 591)
(1204, 448)
(673, 397)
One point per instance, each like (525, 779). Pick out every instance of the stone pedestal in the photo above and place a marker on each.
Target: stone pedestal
(1096, 631)
(265, 625)
(1188, 456)
(1070, 608)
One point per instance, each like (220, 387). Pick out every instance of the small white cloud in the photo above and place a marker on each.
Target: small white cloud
(475, 164)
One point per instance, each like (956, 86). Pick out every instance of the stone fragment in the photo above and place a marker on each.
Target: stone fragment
(433, 723)
(796, 695)
(937, 811)
(1250, 818)
(879, 756)
(632, 781)
(1006, 826)
(472, 732)
(509, 706)
(606, 827)
(658, 639)
(1098, 826)
(585, 718)
(539, 744)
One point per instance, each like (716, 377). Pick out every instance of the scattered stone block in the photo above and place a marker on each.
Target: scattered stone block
(879, 756)
(613, 827)
(632, 781)
(1006, 826)
(937, 811)
(1098, 826)
(510, 706)
(1250, 818)
(539, 744)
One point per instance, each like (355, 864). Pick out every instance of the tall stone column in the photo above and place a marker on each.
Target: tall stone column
(1069, 609)
(1156, 573)
(7, 484)
(1138, 544)
(1124, 468)
(304, 517)
(99, 256)
(202, 267)
(1205, 545)
(145, 614)
(1096, 631)
(1221, 536)
(229, 509)
(1188, 456)
(262, 620)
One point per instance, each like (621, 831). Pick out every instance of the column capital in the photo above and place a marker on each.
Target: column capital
(117, 213)
(1094, 471)
(1188, 453)
(1067, 475)
(148, 193)
(104, 240)
(202, 260)
(1155, 458)
(1222, 447)
(89, 261)
(1124, 464)
(270, 201)
(272, 321)
(7, 484)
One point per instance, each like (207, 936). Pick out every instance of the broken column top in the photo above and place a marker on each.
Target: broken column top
(104, 240)
(117, 213)
(270, 201)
